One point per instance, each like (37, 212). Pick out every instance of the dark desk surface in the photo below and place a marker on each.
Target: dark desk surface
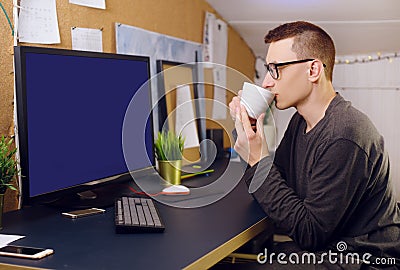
(194, 238)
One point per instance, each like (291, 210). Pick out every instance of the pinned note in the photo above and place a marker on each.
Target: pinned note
(90, 3)
(86, 39)
(37, 22)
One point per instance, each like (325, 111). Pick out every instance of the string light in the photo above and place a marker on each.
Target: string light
(369, 58)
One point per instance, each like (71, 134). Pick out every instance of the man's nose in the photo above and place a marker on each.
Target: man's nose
(268, 81)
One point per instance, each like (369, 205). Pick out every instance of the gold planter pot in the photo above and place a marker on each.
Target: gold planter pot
(170, 170)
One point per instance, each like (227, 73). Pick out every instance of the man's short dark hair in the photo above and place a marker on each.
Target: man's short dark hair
(310, 41)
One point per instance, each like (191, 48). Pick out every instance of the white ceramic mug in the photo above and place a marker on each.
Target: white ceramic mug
(255, 99)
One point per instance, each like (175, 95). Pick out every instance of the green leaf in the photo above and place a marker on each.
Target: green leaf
(11, 187)
(8, 164)
(168, 146)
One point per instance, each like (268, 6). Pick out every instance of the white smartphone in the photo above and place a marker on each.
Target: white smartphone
(25, 252)
(83, 212)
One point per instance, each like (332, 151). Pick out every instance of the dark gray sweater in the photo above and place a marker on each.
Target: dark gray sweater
(331, 184)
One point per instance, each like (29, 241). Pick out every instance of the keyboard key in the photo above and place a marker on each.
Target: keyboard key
(143, 201)
(120, 217)
(142, 219)
(147, 215)
(133, 213)
(126, 211)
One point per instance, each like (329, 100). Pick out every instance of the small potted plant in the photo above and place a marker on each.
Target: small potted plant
(8, 170)
(169, 148)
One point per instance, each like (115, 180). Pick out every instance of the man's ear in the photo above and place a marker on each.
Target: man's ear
(315, 71)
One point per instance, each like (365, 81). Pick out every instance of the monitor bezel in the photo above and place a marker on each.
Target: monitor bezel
(22, 123)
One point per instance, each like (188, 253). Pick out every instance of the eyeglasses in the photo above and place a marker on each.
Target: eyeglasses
(272, 68)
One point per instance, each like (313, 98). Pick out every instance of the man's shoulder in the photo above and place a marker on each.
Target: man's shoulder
(344, 115)
(347, 122)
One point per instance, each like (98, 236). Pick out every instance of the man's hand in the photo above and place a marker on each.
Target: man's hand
(250, 145)
(234, 105)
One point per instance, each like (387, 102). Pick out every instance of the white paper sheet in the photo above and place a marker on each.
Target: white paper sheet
(37, 22)
(185, 123)
(90, 3)
(215, 40)
(220, 42)
(208, 37)
(86, 39)
(5, 239)
(219, 51)
(219, 100)
(215, 48)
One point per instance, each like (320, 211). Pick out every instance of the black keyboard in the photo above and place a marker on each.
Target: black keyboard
(135, 215)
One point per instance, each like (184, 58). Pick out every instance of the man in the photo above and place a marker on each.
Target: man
(329, 181)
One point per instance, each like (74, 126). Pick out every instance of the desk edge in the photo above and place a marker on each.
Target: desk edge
(19, 267)
(228, 247)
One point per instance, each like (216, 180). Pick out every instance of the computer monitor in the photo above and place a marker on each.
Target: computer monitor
(71, 107)
(171, 75)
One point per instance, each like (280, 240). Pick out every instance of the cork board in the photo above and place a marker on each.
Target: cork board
(178, 18)
(6, 71)
(7, 88)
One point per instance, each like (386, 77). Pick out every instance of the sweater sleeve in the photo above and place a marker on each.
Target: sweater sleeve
(340, 172)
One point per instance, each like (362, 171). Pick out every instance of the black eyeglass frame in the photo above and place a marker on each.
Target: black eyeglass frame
(273, 67)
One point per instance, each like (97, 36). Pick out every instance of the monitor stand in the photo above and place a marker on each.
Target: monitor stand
(100, 197)
(87, 195)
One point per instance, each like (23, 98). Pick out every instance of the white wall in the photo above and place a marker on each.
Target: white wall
(373, 88)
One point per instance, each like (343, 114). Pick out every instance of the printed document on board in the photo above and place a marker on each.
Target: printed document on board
(37, 22)
(90, 3)
(86, 39)
(219, 100)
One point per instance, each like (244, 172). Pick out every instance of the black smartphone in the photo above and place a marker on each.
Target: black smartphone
(25, 252)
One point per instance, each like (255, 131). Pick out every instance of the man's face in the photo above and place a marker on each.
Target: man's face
(292, 87)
